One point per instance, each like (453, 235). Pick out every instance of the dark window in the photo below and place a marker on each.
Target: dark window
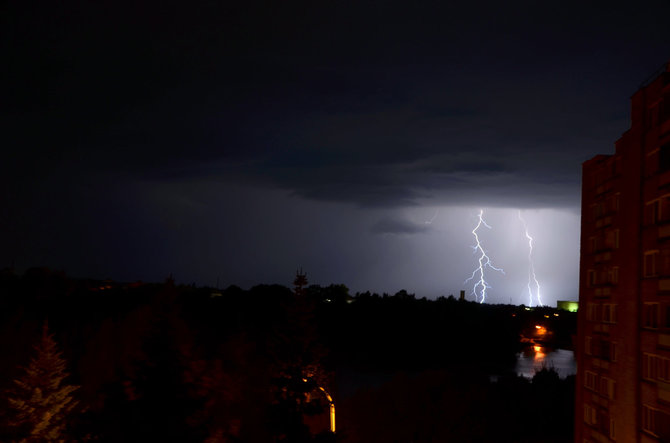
(664, 158)
(664, 109)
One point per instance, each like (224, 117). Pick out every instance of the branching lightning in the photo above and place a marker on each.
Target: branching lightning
(532, 279)
(480, 287)
(430, 222)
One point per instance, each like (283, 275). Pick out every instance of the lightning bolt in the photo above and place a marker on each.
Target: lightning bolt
(430, 222)
(532, 279)
(480, 287)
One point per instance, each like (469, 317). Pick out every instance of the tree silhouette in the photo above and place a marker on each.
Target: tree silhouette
(300, 282)
(40, 403)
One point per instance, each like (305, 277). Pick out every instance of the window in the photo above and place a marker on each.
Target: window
(609, 313)
(655, 367)
(652, 115)
(650, 263)
(650, 315)
(607, 387)
(649, 371)
(658, 210)
(651, 212)
(601, 348)
(595, 212)
(664, 369)
(663, 262)
(612, 239)
(592, 312)
(613, 203)
(648, 419)
(592, 279)
(590, 415)
(591, 380)
(664, 153)
(613, 275)
(588, 345)
(608, 350)
(655, 422)
(664, 109)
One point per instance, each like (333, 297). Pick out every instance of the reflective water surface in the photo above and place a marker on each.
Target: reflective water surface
(536, 357)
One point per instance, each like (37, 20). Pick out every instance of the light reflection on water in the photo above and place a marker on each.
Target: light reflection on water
(536, 357)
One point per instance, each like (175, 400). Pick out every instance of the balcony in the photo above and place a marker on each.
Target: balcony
(603, 292)
(603, 257)
(605, 187)
(604, 222)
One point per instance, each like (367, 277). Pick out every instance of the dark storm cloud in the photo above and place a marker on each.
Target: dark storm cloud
(354, 89)
(151, 137)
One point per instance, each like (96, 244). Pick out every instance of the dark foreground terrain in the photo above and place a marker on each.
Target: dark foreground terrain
(86, 360)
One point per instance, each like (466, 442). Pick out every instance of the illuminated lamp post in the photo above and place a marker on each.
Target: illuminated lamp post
(331, 405)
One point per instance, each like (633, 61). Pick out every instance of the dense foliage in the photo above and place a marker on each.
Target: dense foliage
(160, 362)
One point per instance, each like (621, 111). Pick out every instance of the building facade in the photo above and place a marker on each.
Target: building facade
(623, 341)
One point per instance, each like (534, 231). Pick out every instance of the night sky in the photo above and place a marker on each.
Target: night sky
(234, 142)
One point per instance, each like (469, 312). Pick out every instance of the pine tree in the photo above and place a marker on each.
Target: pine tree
(299, 283)
(40, 402)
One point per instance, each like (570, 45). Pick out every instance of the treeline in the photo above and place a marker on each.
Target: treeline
(160, 362)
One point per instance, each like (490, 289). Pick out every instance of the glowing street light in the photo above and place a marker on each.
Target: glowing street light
(331, 405)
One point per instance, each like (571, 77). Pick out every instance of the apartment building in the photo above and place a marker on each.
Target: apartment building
(623, 352)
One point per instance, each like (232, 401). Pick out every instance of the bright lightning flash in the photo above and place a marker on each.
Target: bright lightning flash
(480, 287)
(532, 279)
